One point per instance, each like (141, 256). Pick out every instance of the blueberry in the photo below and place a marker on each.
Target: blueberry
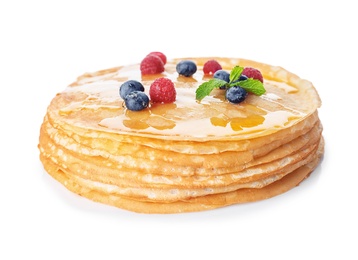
(130, 86)
(186, 68)
(222, 74)
(242, 77)
(136, 100)
(236, 94)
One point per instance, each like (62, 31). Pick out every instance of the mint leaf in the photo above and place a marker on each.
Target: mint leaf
(205, 88)
(236, 73)
(251, 85)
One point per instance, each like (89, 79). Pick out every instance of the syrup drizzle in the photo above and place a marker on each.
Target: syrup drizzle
(213, 116)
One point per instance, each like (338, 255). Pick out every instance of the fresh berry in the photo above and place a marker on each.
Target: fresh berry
(151, 64)
(160, 55)
(253, 73)
(211, 66)
(130, 86)
(236, 94)
(243, 77)
(162, 90)
(222, 74)
(186, 68)
(136, 100)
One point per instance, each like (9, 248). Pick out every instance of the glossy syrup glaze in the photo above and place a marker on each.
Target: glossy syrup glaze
(214, 116)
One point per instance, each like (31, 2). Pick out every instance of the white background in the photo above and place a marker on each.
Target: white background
(45, 45)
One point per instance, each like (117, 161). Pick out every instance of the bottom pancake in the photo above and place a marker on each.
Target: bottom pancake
(193, 204)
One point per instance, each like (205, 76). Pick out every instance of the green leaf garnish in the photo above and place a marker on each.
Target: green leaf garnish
(236, 73)
(205, 89)
(250, 85)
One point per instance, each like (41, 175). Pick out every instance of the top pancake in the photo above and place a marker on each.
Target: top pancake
(95, 99)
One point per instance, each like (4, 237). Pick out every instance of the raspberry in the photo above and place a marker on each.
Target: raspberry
(211, 66)
(162, 90)
(253, 73)
(151, 64)
(160, 55)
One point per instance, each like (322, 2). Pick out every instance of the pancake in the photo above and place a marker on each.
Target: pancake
(184, 156)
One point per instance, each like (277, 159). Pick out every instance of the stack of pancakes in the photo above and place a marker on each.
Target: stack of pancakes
(187, 155)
